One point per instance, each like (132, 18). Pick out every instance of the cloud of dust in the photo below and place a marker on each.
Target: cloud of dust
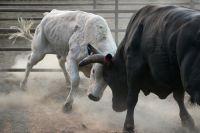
(46, 93)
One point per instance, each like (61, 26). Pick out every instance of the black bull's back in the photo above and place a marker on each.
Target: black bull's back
(168, 41)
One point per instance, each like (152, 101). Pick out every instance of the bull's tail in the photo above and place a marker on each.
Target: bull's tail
(23, 30)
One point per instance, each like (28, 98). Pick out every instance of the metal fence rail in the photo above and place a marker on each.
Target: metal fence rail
(47, 10)
(14, 7)
(15, 49)
(33, 70)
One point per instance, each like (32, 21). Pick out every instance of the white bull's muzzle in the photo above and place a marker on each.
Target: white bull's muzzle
(96, 93)
(93, 98)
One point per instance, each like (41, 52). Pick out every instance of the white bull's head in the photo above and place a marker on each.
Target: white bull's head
(98, 35)
(97, 83)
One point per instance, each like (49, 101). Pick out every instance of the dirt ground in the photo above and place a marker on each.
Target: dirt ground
(39, 108)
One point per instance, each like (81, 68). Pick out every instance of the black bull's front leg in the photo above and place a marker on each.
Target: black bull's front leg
(131, 102)
(133, 74)
(186, 119)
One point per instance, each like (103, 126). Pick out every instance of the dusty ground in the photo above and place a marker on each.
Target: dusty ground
(39, 109)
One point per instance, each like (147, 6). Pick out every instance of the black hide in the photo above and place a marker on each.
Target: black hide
(161, 48)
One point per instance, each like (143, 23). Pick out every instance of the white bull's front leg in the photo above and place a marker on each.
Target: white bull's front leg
(72, 69)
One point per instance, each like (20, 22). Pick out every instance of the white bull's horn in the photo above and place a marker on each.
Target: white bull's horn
(96, 58)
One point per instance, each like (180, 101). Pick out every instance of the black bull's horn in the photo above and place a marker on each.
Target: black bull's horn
(97, 58)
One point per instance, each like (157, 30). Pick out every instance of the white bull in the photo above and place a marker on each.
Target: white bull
(67, 34)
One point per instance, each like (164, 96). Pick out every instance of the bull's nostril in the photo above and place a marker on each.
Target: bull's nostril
(93, 97)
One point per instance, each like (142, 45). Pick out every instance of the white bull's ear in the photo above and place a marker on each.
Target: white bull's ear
(92, 50)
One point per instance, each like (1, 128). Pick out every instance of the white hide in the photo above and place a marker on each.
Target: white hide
(67, 34)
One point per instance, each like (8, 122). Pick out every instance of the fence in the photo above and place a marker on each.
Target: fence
(122, 9)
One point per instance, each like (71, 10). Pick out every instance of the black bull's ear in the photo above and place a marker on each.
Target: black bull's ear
(108, 59)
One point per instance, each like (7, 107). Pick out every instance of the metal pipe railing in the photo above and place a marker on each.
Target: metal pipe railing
(15, 49)
(48, 10)
(33, 70)
(93, 4)
(8, 30)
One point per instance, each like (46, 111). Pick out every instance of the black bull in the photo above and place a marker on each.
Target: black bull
(160, 53)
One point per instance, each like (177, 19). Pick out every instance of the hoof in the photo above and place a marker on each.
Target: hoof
(128, 129)
(188, 123)
(22, 86)
(67, 108)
